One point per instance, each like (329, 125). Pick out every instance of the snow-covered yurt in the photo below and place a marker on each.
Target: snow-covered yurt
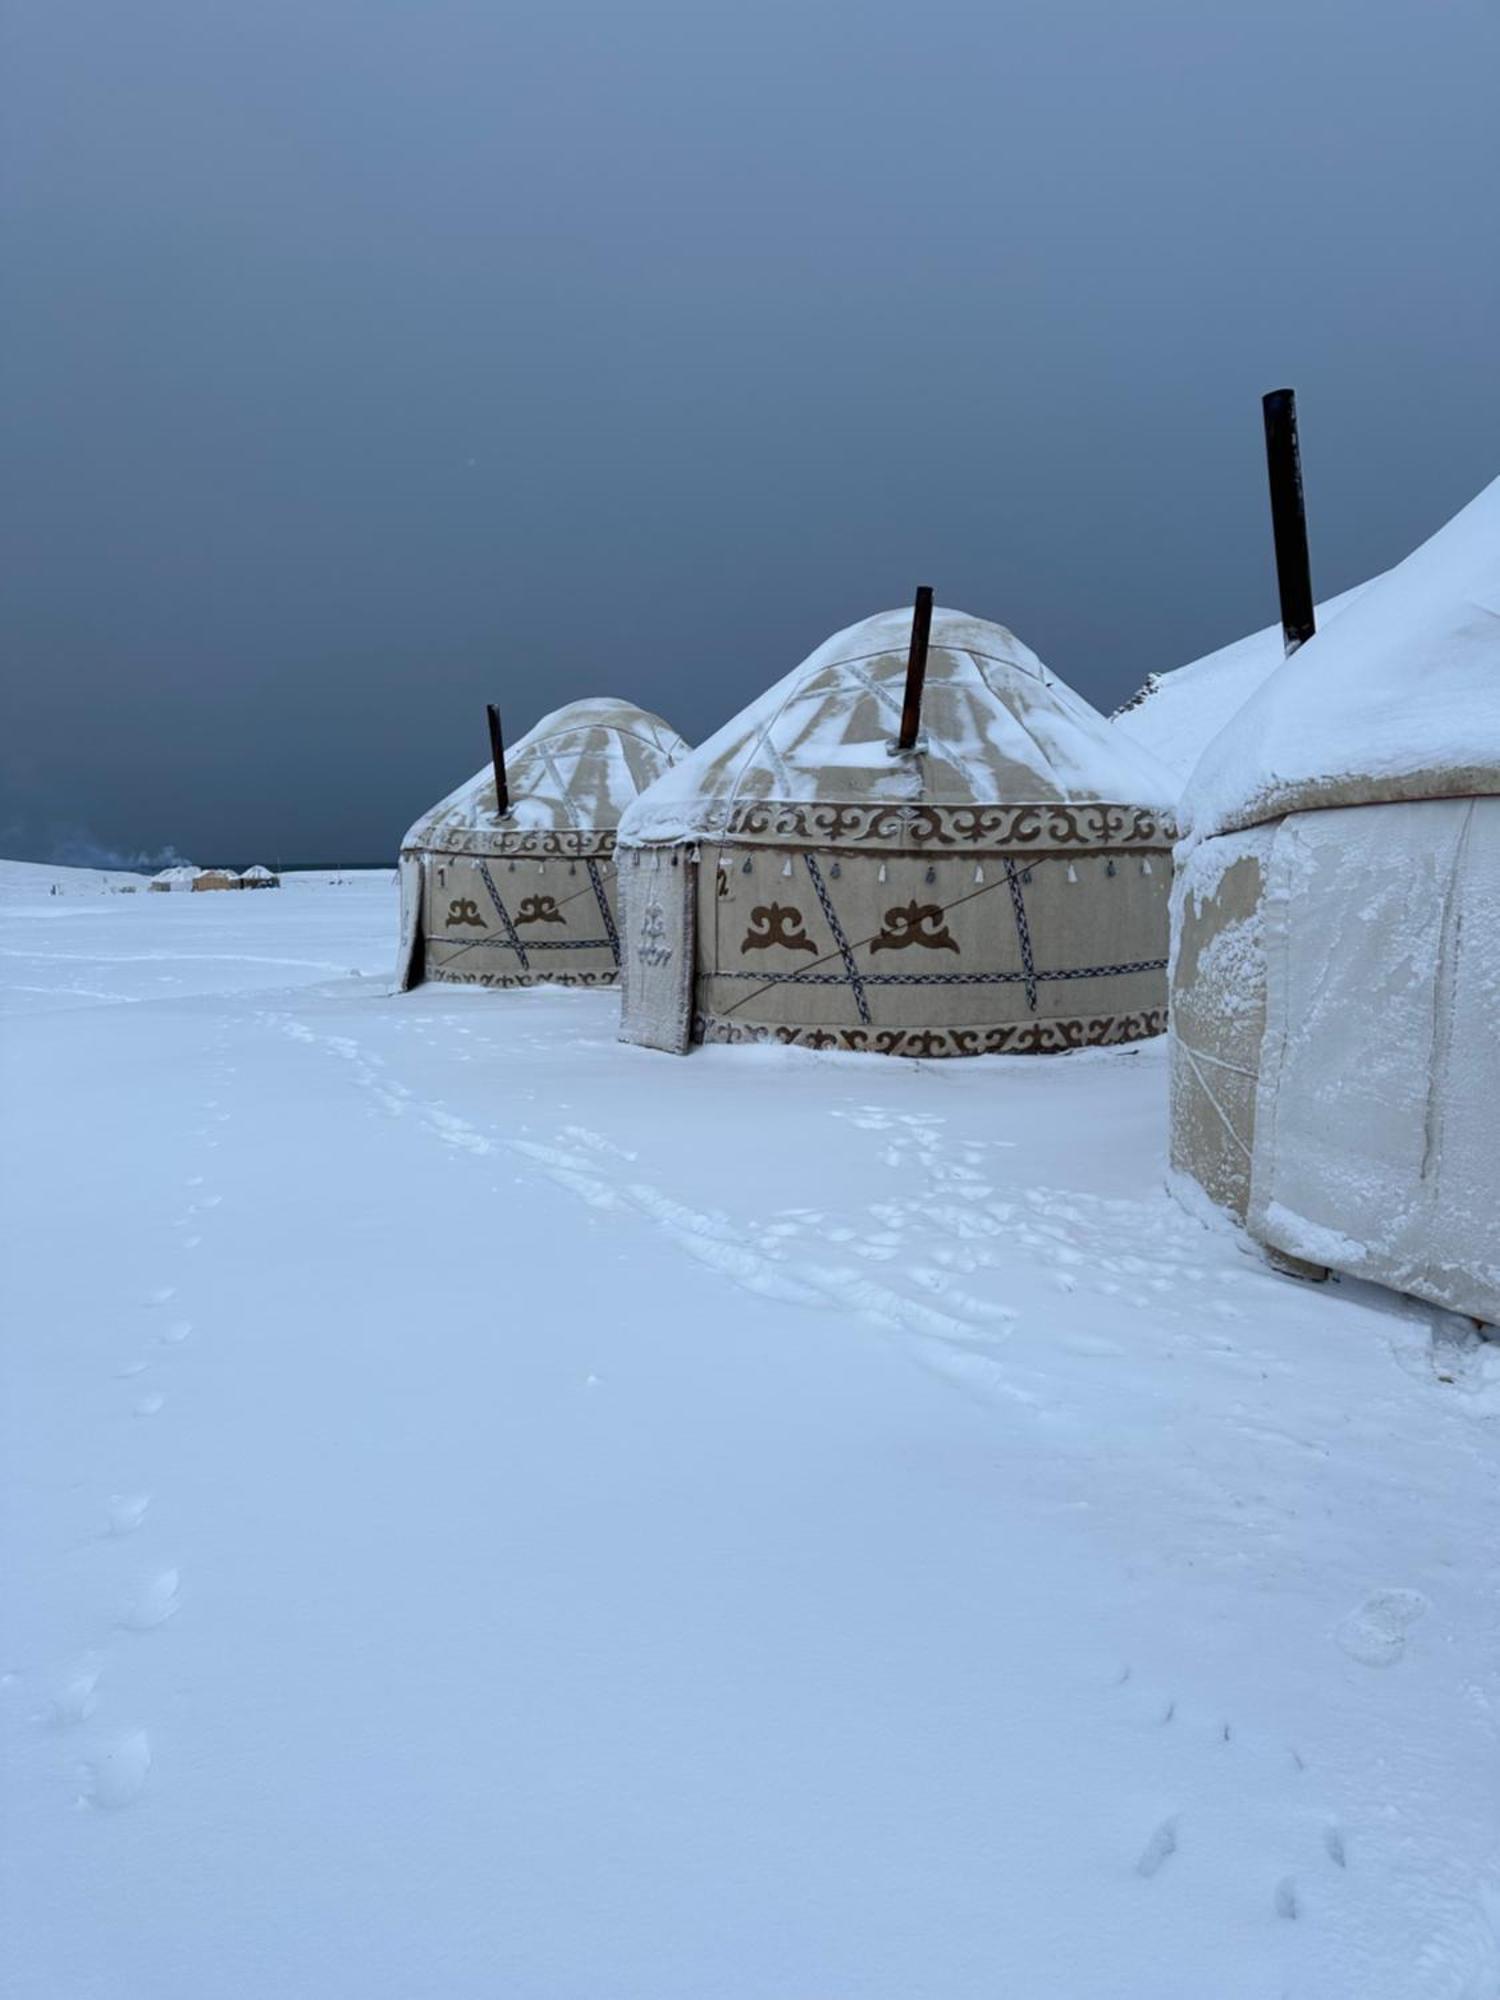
(1000, 885)
(1335, 1048)
(180, 877)
(215, 878)
(526, 895)
(259, 877)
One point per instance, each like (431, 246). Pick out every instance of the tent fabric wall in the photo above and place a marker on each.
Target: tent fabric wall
(1375, 1148)
(913, 953)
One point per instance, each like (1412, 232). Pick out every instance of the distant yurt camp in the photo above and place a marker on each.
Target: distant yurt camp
(259, 878)
(510, 880)
(216, 878)
(1335, 1048)
(181, 877)
(920, 842)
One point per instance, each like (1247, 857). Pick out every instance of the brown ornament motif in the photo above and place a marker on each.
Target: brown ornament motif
(464, 910)
(777, 924)
(539, 910)
(918, 923)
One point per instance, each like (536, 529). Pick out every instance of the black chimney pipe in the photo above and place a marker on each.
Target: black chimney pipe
(1288, 518)
(916, 668)
(497, 758)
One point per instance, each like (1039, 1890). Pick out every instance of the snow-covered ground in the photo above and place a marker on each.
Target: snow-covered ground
(492, 1514)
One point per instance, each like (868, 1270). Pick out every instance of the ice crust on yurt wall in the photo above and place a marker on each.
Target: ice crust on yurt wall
(1178, 714)
(1398, 699)
(578, 768)
(997, 727)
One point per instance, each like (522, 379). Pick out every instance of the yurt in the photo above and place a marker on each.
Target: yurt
(181, 877)
(1335, 1047)
(921, 842)
(215, 878)
(510, 880)
(259, 878)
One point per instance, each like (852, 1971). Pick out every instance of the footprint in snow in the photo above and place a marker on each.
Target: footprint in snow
(1158, 1850)
(1375, 1634)
(117, 1774)
(154, 1603)
(77, 1698)
(127, 1511)
(161, 1296)
(178, 1331)
(150, 1404)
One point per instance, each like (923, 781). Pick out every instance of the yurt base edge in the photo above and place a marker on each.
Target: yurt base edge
(443, 978)
(1049, 1037)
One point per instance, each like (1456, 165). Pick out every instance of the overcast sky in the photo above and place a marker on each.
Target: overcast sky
(365, 360)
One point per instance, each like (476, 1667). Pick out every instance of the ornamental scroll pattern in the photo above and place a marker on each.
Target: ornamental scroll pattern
(569, 843)
(1025, 828)
(441, 975)
(1056, 1037)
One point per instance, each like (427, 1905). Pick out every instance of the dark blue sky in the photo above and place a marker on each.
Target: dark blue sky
(364, 361)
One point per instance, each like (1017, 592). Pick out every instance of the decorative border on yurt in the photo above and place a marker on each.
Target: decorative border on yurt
(566, 843)
(507, 979)
(1033, 828)
(1049, 1037)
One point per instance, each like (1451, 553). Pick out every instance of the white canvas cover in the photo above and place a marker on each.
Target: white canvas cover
(1375, 1148)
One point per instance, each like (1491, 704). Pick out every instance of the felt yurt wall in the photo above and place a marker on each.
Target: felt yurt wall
(1001, 887)
(529, 897)
(1336, 939)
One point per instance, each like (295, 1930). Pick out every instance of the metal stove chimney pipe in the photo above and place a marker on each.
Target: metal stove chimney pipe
(1288, 518)
(916, 669)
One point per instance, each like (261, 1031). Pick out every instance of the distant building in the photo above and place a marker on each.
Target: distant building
(259, 878)
(216, 878)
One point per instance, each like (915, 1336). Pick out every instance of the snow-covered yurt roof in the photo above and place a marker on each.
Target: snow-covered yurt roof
(180, 876)
(1399, 698)
(1177, 715)
(257, 874)
(997, 728)
(576, 771)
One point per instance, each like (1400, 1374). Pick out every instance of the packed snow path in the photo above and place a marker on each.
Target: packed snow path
(490, 1512)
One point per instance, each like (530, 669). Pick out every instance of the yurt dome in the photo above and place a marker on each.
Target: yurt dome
(259, 877)
(1001, 886)
(1336, 949)
(529, 896)
(1176, 715)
